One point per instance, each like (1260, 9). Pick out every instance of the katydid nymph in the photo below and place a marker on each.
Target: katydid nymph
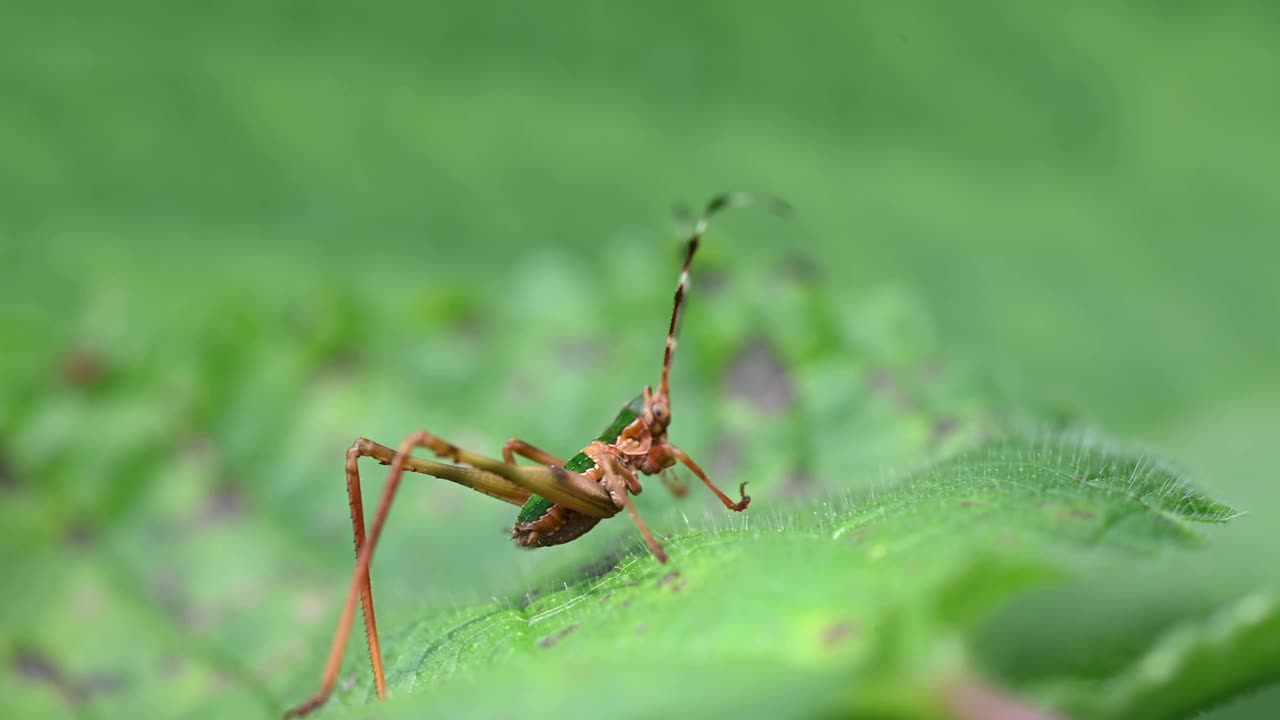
(559, 501)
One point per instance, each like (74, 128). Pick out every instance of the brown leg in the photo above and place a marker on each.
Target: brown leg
(739, 506)
(515, 446)
(356, 498)
(550, 481)
(616, 481)
(484, 482)
(496, 479)
(673, 483)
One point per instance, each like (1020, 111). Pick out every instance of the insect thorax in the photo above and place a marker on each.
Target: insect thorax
(537, 507)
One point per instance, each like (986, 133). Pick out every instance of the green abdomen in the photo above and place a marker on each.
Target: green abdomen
(537, 506)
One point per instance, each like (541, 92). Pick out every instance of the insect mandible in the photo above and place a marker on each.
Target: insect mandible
(559, 500)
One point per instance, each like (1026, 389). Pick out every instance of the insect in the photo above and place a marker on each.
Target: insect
(559, 500)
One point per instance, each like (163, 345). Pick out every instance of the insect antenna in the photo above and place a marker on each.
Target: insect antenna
(718, 203)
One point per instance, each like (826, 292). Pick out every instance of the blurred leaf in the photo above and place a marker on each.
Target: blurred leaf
(234, 236)
(1193, 664)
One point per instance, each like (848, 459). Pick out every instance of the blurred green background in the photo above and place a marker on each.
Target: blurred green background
(237, 235)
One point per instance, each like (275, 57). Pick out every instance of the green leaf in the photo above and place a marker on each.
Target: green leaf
(235, 237)
(1191, 666)
(205, 527)
(874, 596)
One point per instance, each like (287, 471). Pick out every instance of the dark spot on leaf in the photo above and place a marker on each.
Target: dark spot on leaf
(337, 364)
(198, 449)
(34, 667)
(103, 683)
(223, 679)
(7, 478)
(225, 503)
(642, 629)
(970, 503)
(673, 580)
(933, 369)
(879, 380)
(348, 683)
(838, 633)
(604, 565)
(800, 483)
(82, 369)
(469, 324)
(942, 428)
(551, 640)
(882, 382)
(168, 590)
(710, 280)
(1067, 512)
(682, 216)
(172, 665)
(758, 376)
(799, 268)
(80, 534)
(605, 598)
(31, 666)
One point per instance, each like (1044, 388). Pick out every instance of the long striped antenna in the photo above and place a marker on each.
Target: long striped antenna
(718, 203)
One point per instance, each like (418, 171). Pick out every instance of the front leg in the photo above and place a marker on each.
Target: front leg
(618, 478)
(677, 454)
